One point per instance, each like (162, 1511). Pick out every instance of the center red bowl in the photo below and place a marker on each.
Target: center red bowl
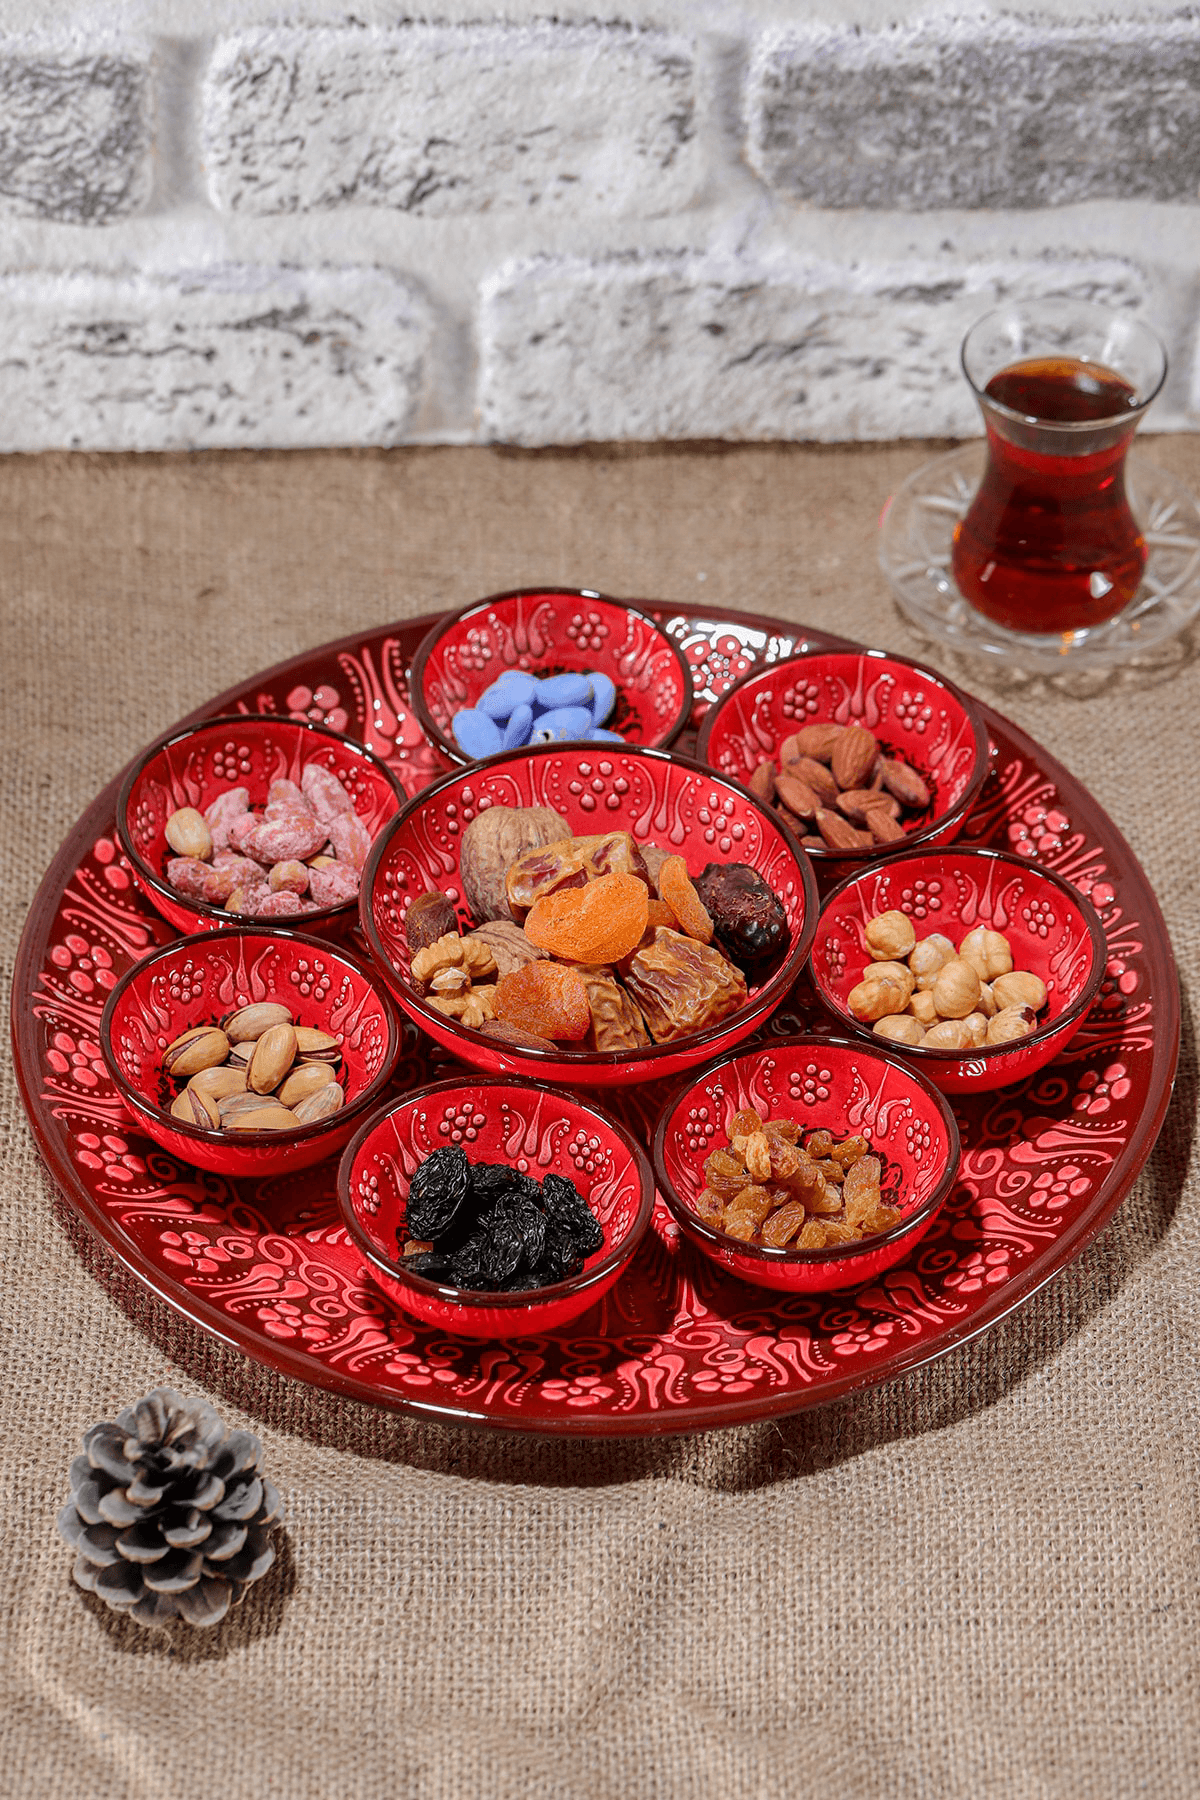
(653, 794)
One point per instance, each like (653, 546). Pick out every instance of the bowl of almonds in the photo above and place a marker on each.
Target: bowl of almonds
(250, 1051)
(977, 965)
(254, 817)
(806, 1163)
(860, 752)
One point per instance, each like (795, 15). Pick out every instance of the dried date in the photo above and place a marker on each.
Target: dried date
(747, 916)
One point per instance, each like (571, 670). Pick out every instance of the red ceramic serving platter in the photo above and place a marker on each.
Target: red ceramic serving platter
(676, 1345)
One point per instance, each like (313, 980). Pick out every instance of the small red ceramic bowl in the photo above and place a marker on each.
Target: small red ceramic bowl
(196, 981)
(827, 1084)
(251, 750)
(552, 631)
(1052, 931)
(656, 796)
(916, 715)
(538, 1129)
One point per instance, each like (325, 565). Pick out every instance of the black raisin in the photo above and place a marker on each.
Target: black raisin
(432, 1264)
(437, 1192)
(568, 1208)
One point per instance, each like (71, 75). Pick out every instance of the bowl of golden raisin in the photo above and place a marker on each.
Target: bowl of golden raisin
(806, 1163)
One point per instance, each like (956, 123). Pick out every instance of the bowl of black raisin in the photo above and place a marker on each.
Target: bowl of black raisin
(493, 1207)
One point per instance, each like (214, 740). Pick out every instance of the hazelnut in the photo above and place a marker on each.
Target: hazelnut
(899, 1028)
(987, 952)
(930, 955)
(890, 971)
(890, 935)
(987, 1000)
(977, 1024)
(1013, 1022)
(872, 1000)
(956, 989)
(921, 1006)
(1020, 988)
(949, 1034)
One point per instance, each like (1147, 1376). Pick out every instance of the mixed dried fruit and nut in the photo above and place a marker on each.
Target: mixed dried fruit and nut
(304, 851)
(837, 779)
(257, 1070)
(931, 995)
(597, 942)
(492, 1228)
(768, 1189)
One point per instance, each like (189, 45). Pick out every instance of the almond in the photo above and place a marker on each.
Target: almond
(796, 795)
(904, 783)
(882, 826)
(839, 834)
(853, 756)
(817, 741)
(762, 782)
(816, 776)
(856, 803)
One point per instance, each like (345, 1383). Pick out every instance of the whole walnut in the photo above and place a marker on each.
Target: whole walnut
(491, 843)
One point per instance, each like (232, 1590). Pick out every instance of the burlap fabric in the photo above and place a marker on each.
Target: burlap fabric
(979, 1581)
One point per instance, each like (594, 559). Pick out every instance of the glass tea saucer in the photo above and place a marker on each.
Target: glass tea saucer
(914, 552)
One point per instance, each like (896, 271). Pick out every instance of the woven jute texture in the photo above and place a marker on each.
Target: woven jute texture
(979, 1581)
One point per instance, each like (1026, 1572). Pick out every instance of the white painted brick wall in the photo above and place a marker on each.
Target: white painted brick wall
(209, 359)
(220, 227)
(461, 120)
(693, 347)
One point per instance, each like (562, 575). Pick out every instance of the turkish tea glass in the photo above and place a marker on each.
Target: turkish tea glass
(1049, 542)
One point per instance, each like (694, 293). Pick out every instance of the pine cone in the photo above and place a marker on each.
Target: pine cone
(168, 1511)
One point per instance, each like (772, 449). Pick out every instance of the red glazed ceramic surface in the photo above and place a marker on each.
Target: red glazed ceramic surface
(190, 767)
(916, 715)
(197, 981)
(825, 1085)
(550, 631)
(676, 1345)
(540, 1131)
(1052, 931)
(658, 797)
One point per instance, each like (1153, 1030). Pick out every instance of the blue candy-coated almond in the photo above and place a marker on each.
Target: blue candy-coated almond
(476, 734)
(519, 726)
(566, 721)
(597, 736)
(604, 697)
(565, 690)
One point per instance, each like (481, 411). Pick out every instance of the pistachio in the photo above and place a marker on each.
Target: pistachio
(274, 1054)
(321, 1105)
(188, 834)
(214, 1084)
(247, 1023)
(268, 1115)
(316, 1046)
(194, 1109)
(203, 1047)
(304, 1080)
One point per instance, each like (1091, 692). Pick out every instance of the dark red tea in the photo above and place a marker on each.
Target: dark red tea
(1049, 542)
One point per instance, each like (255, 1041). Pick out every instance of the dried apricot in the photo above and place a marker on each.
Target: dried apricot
(599, 923)
(546, 998)
(675, 887)
(659, 913)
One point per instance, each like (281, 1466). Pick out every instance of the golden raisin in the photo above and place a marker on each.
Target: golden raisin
(753, 1201)
(743, 1123)
(849, 1150)
(819, 1145)
(709, 1207)
(725, 1174)
(784, 1225)
(546, 998)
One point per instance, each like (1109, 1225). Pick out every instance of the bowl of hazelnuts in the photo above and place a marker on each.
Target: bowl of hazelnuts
(977, 964)
(860, 752)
